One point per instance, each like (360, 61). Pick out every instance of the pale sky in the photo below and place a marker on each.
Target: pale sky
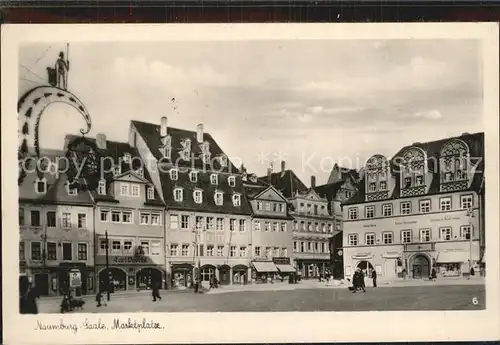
(335, 101)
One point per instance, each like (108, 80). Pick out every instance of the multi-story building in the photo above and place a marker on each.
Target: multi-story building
(420, 210)
(313, 224)
(272, 237)
(56, 228)
(207, 216)
(340, 187)
(129, 220)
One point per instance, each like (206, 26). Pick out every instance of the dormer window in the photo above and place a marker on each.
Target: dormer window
(205, 157)
(407, 182)
(178, 194)
(186, 144)
(185, 154)
(198, 196)
(214, 179)
(140, 172)
(41, 186)
(253, 178)
(193, 176)
(127, 158)
(69, 190)
(419, 180)
(101, 187)
(223, 160)
(117, 170)
(166, 152)
(231, 180)
(218, 198)
(151, 193)
(383, 185)
(236, 199)
(454, 162)
(174, 174)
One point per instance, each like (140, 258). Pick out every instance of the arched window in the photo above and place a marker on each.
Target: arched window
(377, 172)
(413, 168)
(454, 159)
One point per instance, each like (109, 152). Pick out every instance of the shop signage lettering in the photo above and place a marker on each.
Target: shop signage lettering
(444, 219)
(281, 261)
(130, 260)
(419, 247)
(369, 226)
(406, 222)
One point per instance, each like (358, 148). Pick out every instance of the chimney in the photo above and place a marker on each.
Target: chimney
(282, 166)
(100, 141)
(269, 172)
(163, 126)
(313, 181)
(199, 133)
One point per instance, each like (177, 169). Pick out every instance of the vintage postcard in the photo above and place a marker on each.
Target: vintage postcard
(250, 183)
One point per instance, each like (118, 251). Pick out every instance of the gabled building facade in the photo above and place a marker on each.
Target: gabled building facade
(207, 216)
(313, 223)
(418, 211)
(56, 228)
(272, 234)
(343, 187)
(129, 221)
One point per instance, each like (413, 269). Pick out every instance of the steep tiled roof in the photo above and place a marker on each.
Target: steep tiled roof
(475, 142)
(56, 184)
(151, 134)
(113, 154)
(203, 183)
(329, 190)
(286, 182)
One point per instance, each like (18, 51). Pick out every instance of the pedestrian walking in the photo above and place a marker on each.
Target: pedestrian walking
(362, 280)
(156, 291)
(27, 297)
(374, 277)
(433, 274)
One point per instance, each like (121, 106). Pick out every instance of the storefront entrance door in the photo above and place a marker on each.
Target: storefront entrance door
(42, 284)
(420, 267)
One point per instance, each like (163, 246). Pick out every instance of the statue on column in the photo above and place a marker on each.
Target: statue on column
(58, 76)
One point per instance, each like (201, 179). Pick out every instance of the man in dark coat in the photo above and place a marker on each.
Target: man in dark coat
(362, 280)
(374, 277)
(156, 291)
(27, 297)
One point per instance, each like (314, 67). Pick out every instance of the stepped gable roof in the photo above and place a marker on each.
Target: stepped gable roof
(208, 193)
(475, 141)
(112, 155)
(151, 134)
(286, 182)
(56, 192)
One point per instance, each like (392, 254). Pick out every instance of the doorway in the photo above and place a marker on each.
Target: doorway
(147, 277)
(420, 267)
(224, 275)
(42, 284)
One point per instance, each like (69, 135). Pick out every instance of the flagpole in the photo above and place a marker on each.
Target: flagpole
(67, 60)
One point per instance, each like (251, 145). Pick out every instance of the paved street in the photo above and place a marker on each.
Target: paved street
(438, 297)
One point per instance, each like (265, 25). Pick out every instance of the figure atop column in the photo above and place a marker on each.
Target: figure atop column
(62, 68)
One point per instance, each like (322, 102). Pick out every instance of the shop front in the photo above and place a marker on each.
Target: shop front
(60, 282)
(452, 263)
(182, 275)
(129, 273)
(224, 274)
(264, 271)
(240, 274)
(284, 267)
(309, 269)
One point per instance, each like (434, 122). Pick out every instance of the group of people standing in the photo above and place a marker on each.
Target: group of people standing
(358, 280)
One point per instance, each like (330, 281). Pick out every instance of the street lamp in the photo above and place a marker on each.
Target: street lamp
(470, 214)
(107, 267)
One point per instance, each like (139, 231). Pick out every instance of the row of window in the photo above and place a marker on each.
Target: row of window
(127, 247)
(193, 177)
(66, 220)
(407, 236)
(198, 197)
(234, 251)
(257, 226)
(127, 217)
(311, 209)
(268, 206)
(311, 247)
(466, 202)
(317, 227)
(205, 223)
(52, 252)
(185, 152)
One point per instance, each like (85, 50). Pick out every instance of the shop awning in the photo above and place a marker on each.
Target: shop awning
(265, 266)
(285, 268)
(452, 257)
